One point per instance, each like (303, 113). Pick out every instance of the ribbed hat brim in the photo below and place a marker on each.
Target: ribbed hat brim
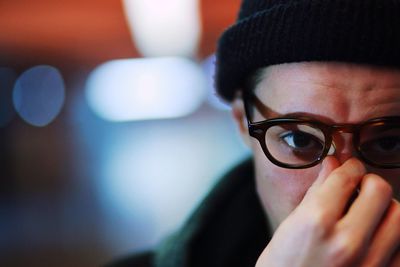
(356, 31)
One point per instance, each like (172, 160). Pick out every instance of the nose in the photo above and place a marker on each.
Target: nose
(344, 148)
(344, 156)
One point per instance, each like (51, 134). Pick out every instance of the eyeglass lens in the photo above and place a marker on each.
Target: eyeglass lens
(301, 144)
(294, 143)
(380, 143)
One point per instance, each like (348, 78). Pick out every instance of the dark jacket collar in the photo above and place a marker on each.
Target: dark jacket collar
(228, 229)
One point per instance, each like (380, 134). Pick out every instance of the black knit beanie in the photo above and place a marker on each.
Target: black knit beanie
(269, 32)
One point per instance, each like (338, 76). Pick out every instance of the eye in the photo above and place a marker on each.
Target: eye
(301, 140)
(389, 144)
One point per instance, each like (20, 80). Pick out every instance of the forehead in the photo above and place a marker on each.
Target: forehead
(340, 92)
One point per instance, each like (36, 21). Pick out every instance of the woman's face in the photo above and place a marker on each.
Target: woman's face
(334, 93)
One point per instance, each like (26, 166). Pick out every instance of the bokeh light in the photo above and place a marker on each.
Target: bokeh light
(7, 80)
(86, 190)
(150, 174)
(154, 173)
(143, 89)
(212, 98)
(39, 95)
(164, 27)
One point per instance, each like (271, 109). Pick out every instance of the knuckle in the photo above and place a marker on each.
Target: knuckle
(317, 218)
(379, 185)
(347, 181)
(318, 222)
(345, 250)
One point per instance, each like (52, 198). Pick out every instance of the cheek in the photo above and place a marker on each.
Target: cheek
(290, 184)
(280, 189)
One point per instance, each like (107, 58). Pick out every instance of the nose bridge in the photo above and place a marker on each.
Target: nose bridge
(342, 137)
(344, 128)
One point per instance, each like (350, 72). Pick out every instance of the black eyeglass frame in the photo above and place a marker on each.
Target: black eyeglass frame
(258, 130)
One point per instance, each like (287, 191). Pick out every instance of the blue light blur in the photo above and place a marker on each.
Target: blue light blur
(145, 89)
(39, 95)
(7, 79)
(212, 97)
(151, 174)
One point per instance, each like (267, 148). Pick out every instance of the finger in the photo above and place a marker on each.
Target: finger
(338, 187)
(386, 241)
(368, 209)
(329, 164)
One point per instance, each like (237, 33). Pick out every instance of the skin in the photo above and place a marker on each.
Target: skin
(306, 208)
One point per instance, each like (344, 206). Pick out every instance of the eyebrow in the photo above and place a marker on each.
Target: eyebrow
(262, 108)
(267, 112)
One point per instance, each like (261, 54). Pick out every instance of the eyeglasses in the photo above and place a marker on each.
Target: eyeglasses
(301, 142)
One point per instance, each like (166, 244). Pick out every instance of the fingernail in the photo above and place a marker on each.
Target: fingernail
(356, 166)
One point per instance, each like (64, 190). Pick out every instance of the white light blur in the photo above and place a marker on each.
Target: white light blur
(158, 172)
(144, 89)
(213, 99)
(39, 95)
(164, 27)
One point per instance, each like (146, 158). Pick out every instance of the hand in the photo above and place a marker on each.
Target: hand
(327, 229)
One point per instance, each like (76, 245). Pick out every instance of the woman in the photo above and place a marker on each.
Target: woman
(315, 92)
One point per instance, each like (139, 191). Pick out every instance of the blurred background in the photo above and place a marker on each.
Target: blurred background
(110, 130)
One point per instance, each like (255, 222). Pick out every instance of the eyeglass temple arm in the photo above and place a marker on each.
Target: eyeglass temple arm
(251, 98)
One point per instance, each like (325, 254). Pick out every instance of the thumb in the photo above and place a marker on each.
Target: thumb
(328, 165)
